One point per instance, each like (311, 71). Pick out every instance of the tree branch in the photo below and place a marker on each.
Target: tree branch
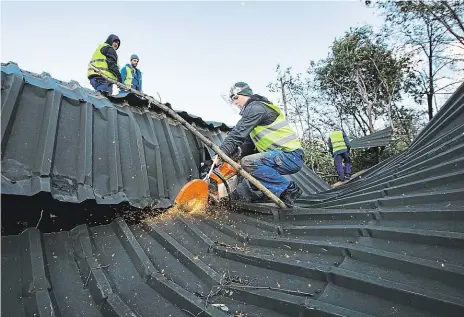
(444, 22)
(444, 87)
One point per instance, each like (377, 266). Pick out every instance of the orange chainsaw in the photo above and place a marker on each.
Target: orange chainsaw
(216, 186)
(223, 181)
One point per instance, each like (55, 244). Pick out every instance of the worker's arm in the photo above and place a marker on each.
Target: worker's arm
(111, 59)
(329, 143)
(347, 141)
(247, 148)
(251, 117)
(140, 81)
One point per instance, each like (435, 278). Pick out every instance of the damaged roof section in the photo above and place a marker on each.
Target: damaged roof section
(387, 243)
(61, 138)
(378, 138)
(428, 175)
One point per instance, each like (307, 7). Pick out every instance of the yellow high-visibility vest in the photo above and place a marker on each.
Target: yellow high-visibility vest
(275, 136)
(99, 61)
(129, 77)
(338, 142)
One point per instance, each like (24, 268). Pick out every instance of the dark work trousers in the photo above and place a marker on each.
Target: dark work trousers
(341, 171)
(100, 84)
(269, 168)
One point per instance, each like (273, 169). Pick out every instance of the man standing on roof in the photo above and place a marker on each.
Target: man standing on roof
(106, 60)
(263, 127)
(339, 148)
(131, 75)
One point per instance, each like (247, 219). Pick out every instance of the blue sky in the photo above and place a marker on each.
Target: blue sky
(190, 52)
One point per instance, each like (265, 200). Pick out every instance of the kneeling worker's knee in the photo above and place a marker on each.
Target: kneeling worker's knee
(246, 163)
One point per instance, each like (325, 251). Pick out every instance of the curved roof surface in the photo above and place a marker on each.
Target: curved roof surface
(70, 141)
(387, 243)
(378, 138)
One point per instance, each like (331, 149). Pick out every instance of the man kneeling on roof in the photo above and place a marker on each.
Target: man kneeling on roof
(263, 127)
(106, 60)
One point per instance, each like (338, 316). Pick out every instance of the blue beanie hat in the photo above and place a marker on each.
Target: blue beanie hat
(134, 56)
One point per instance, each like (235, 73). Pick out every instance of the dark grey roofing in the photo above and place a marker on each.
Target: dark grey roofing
(378, 138)
(70, 141)
(310, 263)
(388, 243)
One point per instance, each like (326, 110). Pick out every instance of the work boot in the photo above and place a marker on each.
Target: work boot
(347, 176)
(289, 195)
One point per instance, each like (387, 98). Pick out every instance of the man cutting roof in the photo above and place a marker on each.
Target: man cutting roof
(266, 144)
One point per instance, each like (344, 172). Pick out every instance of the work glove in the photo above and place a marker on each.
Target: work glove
(237, 155)
(216, 160)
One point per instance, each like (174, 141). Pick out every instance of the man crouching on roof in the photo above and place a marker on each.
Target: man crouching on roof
(264, 131)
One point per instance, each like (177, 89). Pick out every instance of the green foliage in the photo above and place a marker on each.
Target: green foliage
(412, 26)
(372, 80)
(408, 123)
(363, 77)
(319, 160)
(450, 14)
(363, 159)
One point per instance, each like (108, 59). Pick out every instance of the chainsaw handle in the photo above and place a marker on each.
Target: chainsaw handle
(211, 170)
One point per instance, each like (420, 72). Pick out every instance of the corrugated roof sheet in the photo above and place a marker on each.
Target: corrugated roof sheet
(61, 138)
(378, 138)
(318, 263)
(388, 243)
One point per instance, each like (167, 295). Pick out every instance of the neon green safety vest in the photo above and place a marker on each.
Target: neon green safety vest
(128, 80)
(338, 143)
(275, 136)
(99, 61)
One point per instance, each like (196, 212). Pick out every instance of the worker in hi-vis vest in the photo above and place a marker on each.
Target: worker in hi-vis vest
(339, 148)
(105, 59)
(131, 75)
(266, 145)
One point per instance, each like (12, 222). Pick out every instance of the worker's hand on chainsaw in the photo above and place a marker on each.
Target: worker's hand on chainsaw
(237, 155)
(216, 160)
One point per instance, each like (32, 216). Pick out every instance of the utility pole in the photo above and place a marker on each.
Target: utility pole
(284, 99)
